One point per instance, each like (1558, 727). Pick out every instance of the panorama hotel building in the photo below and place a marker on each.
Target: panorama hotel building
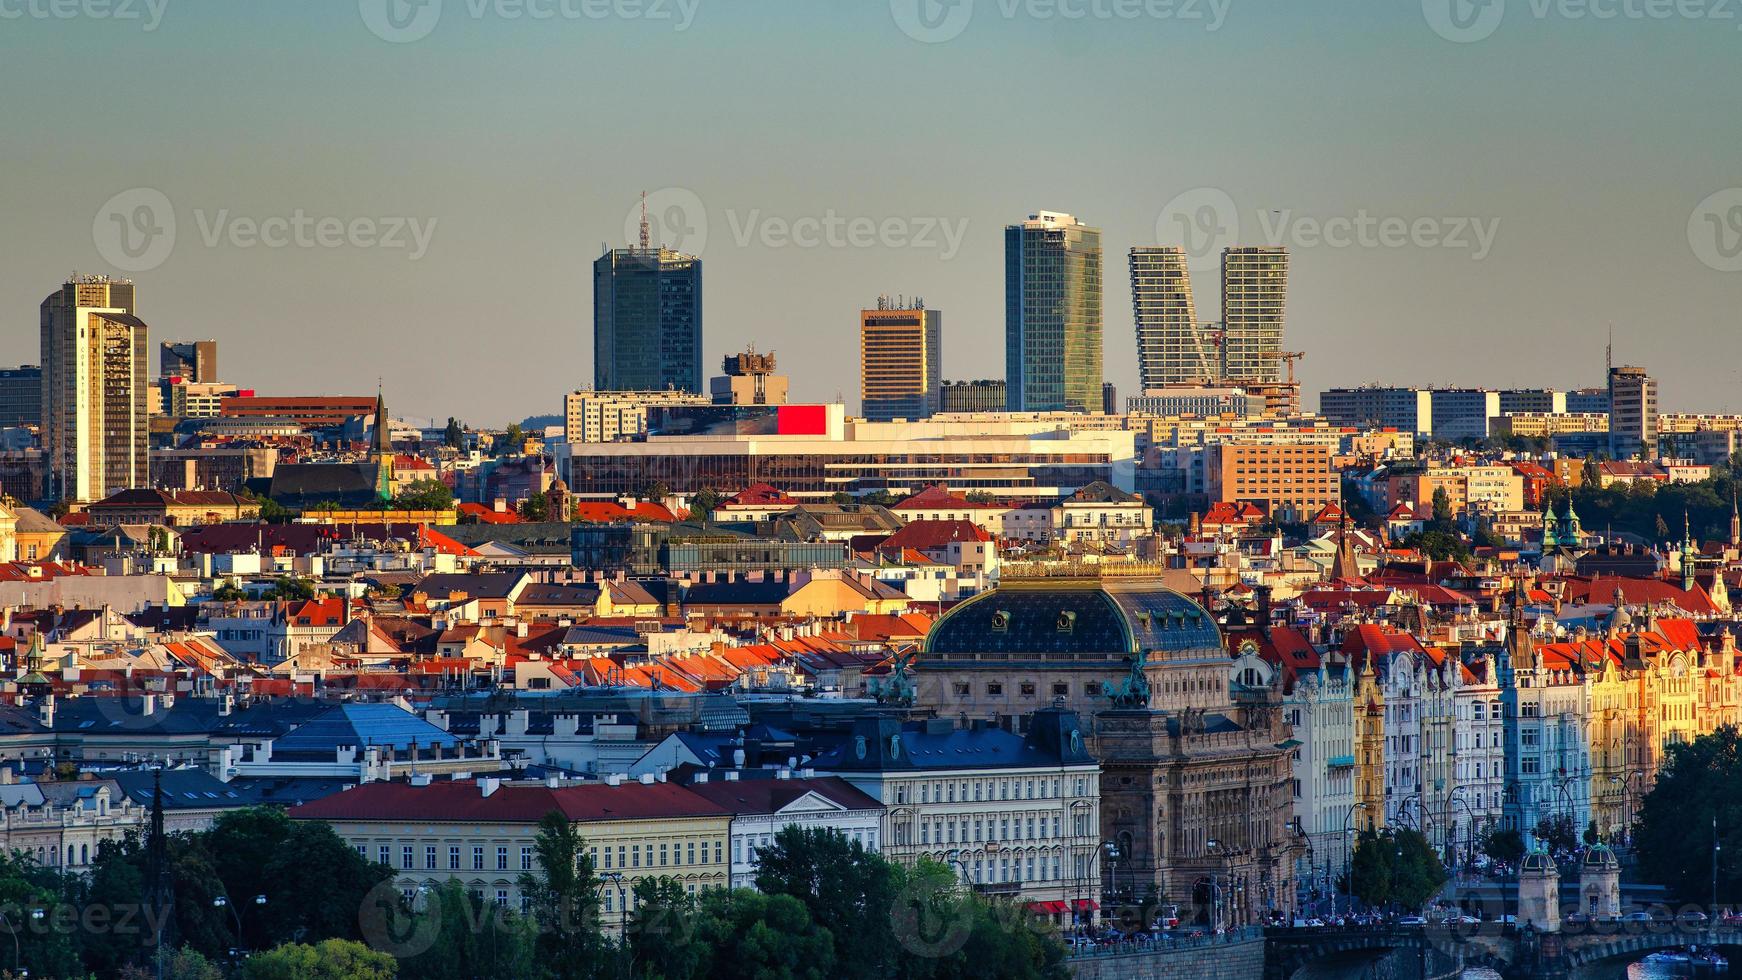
(814, 451)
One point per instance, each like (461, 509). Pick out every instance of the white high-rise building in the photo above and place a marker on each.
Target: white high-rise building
(95, 399)
(1254, 301)
(1171, 348)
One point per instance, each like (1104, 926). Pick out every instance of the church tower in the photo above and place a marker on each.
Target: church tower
(381, 450)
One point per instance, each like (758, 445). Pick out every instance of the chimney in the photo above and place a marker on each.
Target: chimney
(45, 711)
(700, 778)
(783, 773)
(488, 785)
(421, 779)
(614, 779)
(731, 775)
(148, 705)
(551, 782)
(646, 779)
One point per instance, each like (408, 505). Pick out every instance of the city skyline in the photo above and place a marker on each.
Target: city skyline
(1588, 221)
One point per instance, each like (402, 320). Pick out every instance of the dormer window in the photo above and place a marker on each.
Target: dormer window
(1001, 621)
(1067, 621)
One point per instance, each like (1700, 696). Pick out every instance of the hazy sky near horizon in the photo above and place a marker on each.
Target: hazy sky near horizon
(1467, 202)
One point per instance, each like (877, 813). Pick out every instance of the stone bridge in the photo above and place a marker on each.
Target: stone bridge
(1442, 950)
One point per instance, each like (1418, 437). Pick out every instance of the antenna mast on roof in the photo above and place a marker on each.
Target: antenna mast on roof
(644, 230)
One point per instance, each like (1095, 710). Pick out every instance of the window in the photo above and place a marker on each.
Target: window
(429, 858)
(405, 857)
(526, 859)
(501, 859)
(478, 858)
(386, 853)
(691, 851)
(1027, 689)
(994, 689)
(454, 858)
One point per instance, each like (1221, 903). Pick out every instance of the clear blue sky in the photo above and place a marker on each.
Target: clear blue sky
(1591, 142)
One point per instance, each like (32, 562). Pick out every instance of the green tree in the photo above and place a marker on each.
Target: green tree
(1439, 545)
(978, 497)
(655, 491)
(472, 939)
(535, 508)
(1699, 782)
(453, 436)
(290, 589)
(313, 881)
(1398, 865)
(272, 512)
(27, 888)
(1506, 846)
(848, 891)
(662, 934)
(425, 494)
(564, 894)
(752, 936)
(229, 592)
(1557, 832)
(513, 441)
(879, 498)
(1442, 504)
(329, 959)
(703, 503)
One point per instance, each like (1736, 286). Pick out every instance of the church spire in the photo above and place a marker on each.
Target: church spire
(381, 449)
(1735, 522)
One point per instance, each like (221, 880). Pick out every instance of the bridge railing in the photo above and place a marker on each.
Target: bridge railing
(1177, 940)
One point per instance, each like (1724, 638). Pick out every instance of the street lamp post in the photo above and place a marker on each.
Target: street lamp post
(1111, 849)
(1349, 858)
(616, 878)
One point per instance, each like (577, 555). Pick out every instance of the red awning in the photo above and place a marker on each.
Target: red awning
(1085, 905)
(1048, 908)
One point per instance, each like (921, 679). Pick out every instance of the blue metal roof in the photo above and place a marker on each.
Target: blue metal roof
(363, 725)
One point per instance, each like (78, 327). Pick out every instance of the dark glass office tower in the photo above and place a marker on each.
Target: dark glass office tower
(647, 321)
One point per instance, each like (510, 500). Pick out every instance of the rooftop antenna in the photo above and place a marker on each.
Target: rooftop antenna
(1609, 353)
(644, 234)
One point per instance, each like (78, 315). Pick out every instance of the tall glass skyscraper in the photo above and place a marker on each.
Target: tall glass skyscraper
(1171, 350)
(647, 321)
(1052, 314)
(1254, 295)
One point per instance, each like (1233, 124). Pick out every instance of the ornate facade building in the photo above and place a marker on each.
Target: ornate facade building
(1195, 765)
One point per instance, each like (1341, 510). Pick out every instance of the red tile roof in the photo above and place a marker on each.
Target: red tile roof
(464, 802)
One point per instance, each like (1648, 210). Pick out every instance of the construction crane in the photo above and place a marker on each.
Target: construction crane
(1289, 357)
